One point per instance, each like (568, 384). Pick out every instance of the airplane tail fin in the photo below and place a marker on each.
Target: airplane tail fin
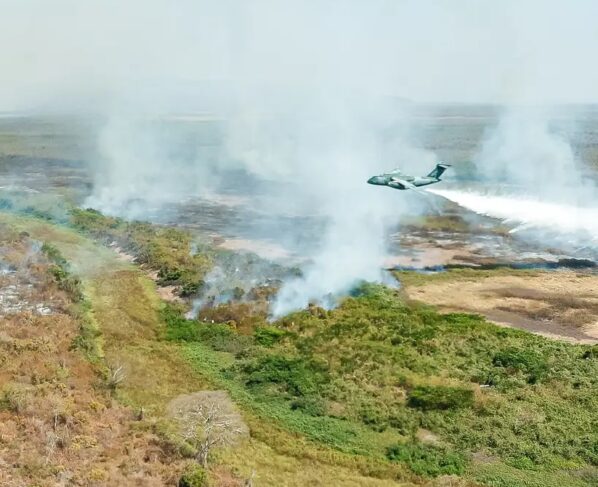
(439, 170)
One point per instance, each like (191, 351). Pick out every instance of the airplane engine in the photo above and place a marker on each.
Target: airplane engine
(396, 185)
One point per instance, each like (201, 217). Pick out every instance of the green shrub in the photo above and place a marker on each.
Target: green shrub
(194, 476)
(440, 398)
(223, 338)
(374, 417)
(192, 288)
(93, 221)
(54, 255)
(220, 337)
(527, 361)
(311, 405)
(591, 353)
(179, 328)
(428, 460)
(268, 335)
(86, 340)
(298, 377)
(59, 270)
(404, 421)
(169, 276)
(13, 398)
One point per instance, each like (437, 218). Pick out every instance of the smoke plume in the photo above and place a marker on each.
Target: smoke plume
(308, 99)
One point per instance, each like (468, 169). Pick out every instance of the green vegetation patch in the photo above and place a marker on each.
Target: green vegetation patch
(366, 377)
(88, 339)
(428, 460)
(194, 476)
(440, 398)
(531, 363)
(60, 270)
(167, 250)
(268, 336)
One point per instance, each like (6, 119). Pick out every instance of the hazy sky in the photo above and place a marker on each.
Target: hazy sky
(92, 52)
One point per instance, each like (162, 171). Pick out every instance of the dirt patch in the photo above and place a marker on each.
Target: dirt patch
(428, 256)
(25, 284)
(121, 254)
(427, 437)
(169, 293)
(558, 304)
(166, 293)
(266, 250)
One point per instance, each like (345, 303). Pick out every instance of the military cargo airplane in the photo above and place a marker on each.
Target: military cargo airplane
(397, 180)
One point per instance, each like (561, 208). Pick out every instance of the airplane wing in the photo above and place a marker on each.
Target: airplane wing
(401, 184)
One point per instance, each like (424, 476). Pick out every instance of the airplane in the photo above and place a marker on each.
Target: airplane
(397, 180)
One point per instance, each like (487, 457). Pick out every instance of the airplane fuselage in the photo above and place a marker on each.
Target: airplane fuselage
(391, 182)
(397, 180)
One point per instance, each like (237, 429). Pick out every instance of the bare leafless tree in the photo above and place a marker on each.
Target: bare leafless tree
(116, 374)
(208, 420)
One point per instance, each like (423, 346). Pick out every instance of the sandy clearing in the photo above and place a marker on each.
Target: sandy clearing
(266, 250)
(559, 304)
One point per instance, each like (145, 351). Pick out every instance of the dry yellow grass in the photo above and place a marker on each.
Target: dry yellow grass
(125, 307)
(58, 422)
(558, 304)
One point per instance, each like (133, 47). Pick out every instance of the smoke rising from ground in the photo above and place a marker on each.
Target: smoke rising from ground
(144, 163)
(326, 151)
(312, 98)
(526, 152)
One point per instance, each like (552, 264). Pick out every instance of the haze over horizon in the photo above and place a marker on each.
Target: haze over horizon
(72, 55)
(304, 89)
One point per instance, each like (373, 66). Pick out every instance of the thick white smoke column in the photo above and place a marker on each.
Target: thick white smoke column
(524, 151)
(147, 162)
(131, 171)
(326, 150)
(352, 250)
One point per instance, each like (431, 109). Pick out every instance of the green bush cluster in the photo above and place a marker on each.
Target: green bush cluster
(440, 397)
(529, 362)
(377, 369)
(194, 476)
(164, 249)
(268, 336)
(60, 271)
(218, 336)
(297, 376)
(428, 460)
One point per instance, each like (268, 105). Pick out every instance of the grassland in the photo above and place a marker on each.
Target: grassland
(59, 421)
(380, 391)
(391, 382)
(561, 303)
(132, 331)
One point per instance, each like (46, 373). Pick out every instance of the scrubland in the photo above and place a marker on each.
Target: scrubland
(380, 391)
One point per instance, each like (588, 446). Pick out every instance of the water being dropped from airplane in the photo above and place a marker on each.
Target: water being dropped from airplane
(566, 226)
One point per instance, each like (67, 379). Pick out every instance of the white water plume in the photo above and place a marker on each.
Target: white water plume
(573, 227)
(537, 180)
